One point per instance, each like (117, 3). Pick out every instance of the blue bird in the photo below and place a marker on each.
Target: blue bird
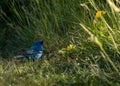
(34, 52)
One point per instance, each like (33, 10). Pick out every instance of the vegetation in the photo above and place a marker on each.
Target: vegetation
(81, 38)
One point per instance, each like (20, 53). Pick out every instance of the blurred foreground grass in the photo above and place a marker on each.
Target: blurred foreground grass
(60, 72)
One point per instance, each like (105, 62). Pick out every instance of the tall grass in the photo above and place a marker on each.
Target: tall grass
(94, 59)
(47, 20)
(105, 35)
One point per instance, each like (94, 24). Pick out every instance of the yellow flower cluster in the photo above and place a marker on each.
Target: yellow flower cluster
(69, 47)
(100, 13)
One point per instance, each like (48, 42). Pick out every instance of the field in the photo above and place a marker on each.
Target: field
(81, 40)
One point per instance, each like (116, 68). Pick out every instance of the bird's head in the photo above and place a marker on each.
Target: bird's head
(39, 42)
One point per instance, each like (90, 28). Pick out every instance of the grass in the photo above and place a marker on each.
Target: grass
(57, 72)
(92, 59)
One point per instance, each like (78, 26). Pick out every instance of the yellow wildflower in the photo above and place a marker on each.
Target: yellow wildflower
(69, 47)
(100, 13)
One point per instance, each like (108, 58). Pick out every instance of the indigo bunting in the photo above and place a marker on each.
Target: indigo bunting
(35, 51)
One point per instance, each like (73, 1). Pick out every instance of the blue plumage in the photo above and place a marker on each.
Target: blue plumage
(37, 46)
(35, 51)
